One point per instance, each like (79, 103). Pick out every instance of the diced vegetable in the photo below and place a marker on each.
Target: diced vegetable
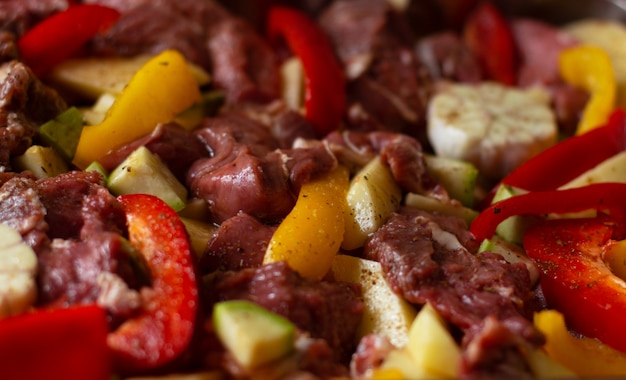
(199, 234)
(513, 228)
(42, 161)
(456, 176)
(400, 364)
(63, 132)
(292, 89)
(142, 172)
(252, 334)
(372, 197)
(430, 353)
(386, 312)
(435, 205)
(208, 105)
(431, 345)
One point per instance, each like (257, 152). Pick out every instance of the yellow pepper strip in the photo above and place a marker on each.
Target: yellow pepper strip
(584, 356)
(590, 68)
(161, 89)
(310, 236)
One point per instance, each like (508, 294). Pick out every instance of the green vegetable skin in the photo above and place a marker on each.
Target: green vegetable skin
(252, 334)
(63, 132)
(144, 173)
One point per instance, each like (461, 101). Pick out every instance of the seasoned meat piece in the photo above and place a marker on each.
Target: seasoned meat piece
(22, 210)
(71, 271)
(492, 351)
(17, 16)
(175, 146)
(446, 56)
(240, 242)
(388, 86)
(327, 310)
(240, 177)
(241, 62)
(539, 47)
(370, 353)
(8, 46)
(78, 205)
(25, 103)
(429, 258)
(247, 174)
(153, 26)
(86, 260)
(74, 225)
(288, 126)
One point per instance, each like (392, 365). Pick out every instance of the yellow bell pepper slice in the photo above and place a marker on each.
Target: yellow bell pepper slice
(590, 68)
(584, 356)
(160, 90)
(310, 236)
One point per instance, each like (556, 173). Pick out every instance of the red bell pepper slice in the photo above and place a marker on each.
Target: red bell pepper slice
(489, 36)
(164, 328)
(576, 281)
(65, 343)
(609, 197)
(63, 34)
(325, 95)
(566, 160)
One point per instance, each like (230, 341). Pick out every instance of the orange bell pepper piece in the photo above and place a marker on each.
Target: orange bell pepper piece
(310, 236)
(586, 357)
(160, 90)
(590, 68)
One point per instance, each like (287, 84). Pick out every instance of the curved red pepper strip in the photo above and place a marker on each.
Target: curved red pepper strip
(488, 34)
(66, 343)
(566, 160)
(576, 281)
(63, 34)
(601, 196)
(325, 94)
(163, 330)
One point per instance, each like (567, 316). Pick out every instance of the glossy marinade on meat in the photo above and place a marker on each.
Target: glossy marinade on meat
(243, 162)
